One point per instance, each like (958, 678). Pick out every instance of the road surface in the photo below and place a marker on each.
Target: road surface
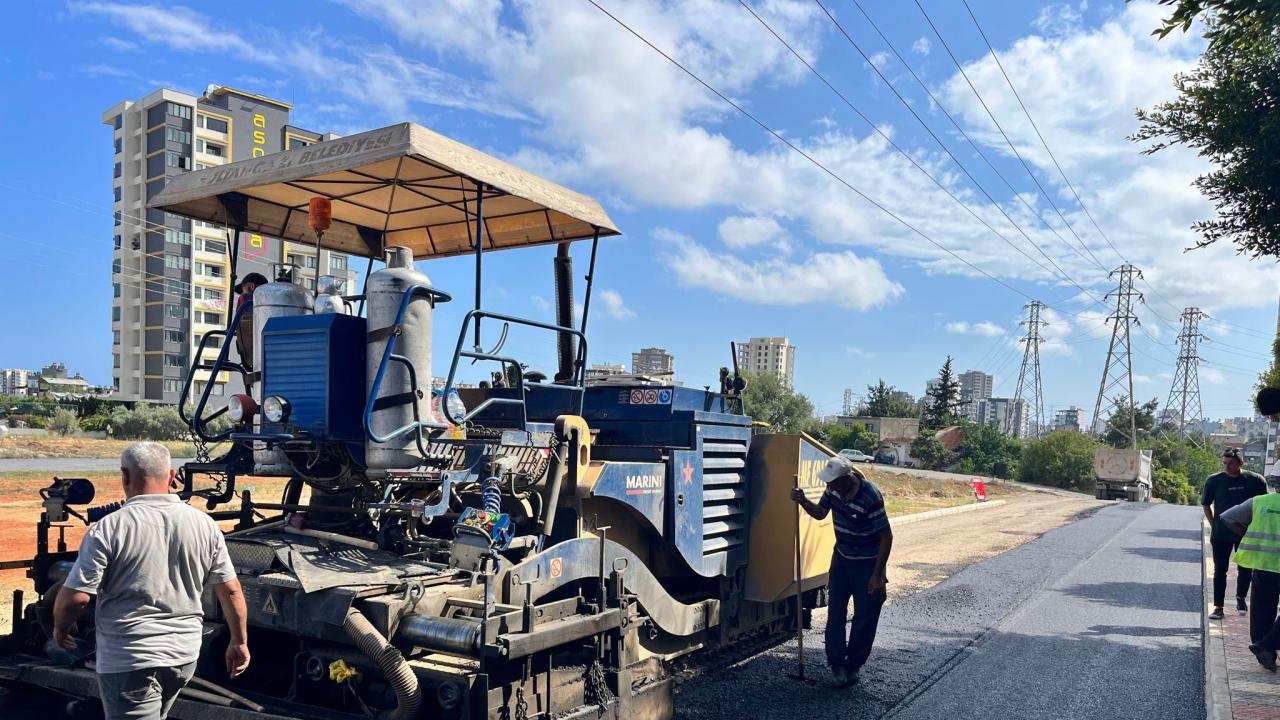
(1099, 618)
(56, 465)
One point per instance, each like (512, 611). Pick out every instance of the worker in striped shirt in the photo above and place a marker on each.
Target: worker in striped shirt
(863, 543)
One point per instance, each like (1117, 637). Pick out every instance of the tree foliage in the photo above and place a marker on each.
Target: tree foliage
(881, 402)
(768, 399)
(839, 437)
(64, 422)
(1063, 458)
(928, 452)
(1226, 110)
(1172, 486)
(943, 399)
(984, 446)
(1117, 433)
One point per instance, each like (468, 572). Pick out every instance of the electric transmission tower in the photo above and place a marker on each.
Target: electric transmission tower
(1118, 372)
(847, 407)
(1184, 396)
(1029, 387)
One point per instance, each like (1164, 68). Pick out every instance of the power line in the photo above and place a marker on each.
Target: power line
(780, 138)
(1000, 65)
(1062, 273)
(977, 149)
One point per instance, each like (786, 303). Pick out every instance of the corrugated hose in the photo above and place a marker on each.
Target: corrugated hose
(399, 675)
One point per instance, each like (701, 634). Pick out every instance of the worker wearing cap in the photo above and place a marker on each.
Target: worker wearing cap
(1258, 520)
(1221, 493)
(863, 543)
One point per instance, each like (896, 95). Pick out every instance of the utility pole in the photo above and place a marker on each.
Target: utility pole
(849, 409)
(1118, 371)
(1029, 374)
(1184, 395)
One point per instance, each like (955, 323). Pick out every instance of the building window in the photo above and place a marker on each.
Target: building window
(298, 142)
(119, 145)
(177, 262)
(182, 111)
(119, 122)
(115, 359)
(115, 337)
(214, 343)
(214, 246)
(173, 361)
(173, 134)
(177, 237)
(209, 318)
(309, 283)
(212, 123)
(203, 166)
(209, 148)
(115, 314)
(115, 289)
(172, 386)
(174, 286)
(204, 293)
(115, 266)
(208, 269)
(117, 240)
(174, 311)
(174, 336)
(117, 193)
(337, 263)
(116, 172)
(173, 159)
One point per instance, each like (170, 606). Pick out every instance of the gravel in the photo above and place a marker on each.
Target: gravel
(1099, 618)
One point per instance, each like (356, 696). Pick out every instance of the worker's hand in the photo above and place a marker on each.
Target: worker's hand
(237, 659)
(64, 637)
(797, 495)
(876, 585)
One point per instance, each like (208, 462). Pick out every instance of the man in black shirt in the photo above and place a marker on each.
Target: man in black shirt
(1221, 493)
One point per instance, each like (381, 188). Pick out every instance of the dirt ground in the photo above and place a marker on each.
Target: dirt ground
(56, 447)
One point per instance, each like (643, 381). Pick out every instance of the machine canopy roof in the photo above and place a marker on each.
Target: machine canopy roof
(400, 185)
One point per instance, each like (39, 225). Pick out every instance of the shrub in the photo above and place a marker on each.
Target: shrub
(1172, 486)
(64, 422)
(1060, 459)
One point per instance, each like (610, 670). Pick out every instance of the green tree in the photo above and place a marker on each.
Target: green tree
(942, 399)
(928, 452)
(1117, 433)
(1171, 486)
(881, 402)
(984, 446)
(840, 437)
(767, 399)
(1063, 458)
(1226, 110)
(64, 422)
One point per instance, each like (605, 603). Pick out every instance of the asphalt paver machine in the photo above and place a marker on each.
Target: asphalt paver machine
(529, 546)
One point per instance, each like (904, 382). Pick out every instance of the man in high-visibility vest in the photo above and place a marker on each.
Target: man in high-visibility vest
(1258, 519)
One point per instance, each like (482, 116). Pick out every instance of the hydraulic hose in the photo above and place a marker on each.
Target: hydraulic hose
(400, 676)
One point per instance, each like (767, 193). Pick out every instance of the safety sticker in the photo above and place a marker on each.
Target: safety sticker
(269, 607)
(650, 397)
(664, 396)
(557, 567)
(637, 397)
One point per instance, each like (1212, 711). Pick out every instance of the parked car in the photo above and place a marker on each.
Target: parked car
(856, 456)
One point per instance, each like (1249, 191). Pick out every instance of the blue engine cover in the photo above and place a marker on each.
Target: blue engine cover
(317, 363)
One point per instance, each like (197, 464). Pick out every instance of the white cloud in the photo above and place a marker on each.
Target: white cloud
(985, 328)
(842, 279)
(859, 353)
(1213, 376)
(119, 45)
(1143, 379)
(921, 46)
(100, 70)
(540, 303)
(614, 307)
(742, 232)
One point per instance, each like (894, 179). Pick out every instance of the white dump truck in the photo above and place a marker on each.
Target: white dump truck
(1122, 474)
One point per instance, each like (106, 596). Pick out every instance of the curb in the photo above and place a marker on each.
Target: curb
(1217, 691)
(930, 514)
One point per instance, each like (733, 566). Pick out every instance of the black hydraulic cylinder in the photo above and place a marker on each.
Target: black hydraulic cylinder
(565, 350)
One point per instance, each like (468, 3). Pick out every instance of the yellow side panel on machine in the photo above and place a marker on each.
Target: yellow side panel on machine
(776, 462)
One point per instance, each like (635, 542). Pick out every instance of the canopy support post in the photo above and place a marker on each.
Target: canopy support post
(586, 302)
(479, 235)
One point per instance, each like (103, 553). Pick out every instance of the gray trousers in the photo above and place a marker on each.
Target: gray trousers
(145, 694)
(848, 581)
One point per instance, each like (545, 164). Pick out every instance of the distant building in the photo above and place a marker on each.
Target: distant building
(904, 396)
(17, 382)
(774, 355)
(975, 385)
(895, 434)
(1071, 418)
(1006, 414)
(603, 370)
(653, 361)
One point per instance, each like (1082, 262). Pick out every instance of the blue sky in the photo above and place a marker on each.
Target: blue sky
(728, 232)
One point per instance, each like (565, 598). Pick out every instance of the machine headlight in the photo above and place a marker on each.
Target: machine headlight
(241, 408)
(275, 409)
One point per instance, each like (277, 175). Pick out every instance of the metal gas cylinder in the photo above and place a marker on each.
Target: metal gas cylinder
(281, 298)
(384, 292)
(329, 296)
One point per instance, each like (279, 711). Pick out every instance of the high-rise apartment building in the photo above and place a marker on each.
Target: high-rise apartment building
(171, 276)
(16, 382)
(653, 361)
(775, 355)
(1009, 415)
(1070, 418)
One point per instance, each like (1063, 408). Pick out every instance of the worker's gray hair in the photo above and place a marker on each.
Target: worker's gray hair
(146, 460)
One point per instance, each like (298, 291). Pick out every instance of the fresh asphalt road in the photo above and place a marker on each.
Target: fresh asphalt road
(66, 464)
(1099, 618)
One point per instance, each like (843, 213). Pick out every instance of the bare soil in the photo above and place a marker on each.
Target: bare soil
(56, 447)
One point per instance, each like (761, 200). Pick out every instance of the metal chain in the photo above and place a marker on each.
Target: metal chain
(522, 705)
(597, 689)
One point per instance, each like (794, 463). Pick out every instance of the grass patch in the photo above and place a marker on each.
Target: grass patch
(25, 448)
(907, 494)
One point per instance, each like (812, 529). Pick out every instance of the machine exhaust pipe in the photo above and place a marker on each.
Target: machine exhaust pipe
(564, 313)
(400, 676)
